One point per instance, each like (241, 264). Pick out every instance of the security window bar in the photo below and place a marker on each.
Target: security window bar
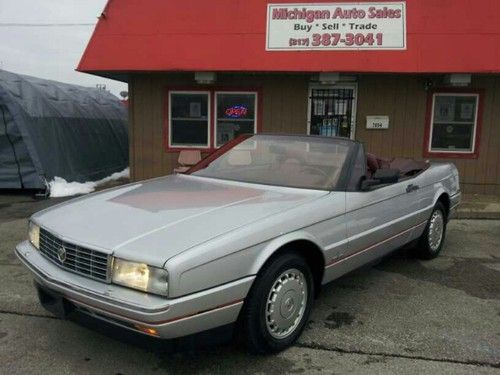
(331, 112)
(454, 123)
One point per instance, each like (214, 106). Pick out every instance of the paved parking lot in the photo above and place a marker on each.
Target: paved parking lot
(402, 316)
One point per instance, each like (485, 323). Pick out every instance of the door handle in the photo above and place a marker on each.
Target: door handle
(411, 188)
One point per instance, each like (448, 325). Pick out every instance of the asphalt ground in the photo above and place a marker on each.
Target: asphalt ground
(400, 316)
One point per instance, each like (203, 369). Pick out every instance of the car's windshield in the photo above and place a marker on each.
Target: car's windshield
(292, 161)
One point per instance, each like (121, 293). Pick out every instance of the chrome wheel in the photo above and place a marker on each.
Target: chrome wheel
(286, 303)
(436, 230)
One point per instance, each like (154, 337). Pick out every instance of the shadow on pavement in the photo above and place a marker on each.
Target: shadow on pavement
(215, 338)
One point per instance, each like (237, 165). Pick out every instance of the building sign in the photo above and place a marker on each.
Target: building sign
(377, 122)
(336, 26)
(236, 111)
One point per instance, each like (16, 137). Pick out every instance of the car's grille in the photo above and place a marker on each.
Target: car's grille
(86, 262)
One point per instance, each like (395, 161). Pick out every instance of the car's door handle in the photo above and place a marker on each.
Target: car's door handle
(411, 188)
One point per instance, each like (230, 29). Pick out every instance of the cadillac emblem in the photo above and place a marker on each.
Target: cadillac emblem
(61, 254)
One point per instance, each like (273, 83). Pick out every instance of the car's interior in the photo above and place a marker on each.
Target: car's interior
(406, 167)
(382, 171)
(283, 161)
(305, 162)
(287, 166)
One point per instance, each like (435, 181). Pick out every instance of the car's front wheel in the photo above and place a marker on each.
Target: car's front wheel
(278, 305)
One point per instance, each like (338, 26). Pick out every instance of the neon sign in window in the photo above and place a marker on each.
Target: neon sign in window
(235, 115)
(236, 111)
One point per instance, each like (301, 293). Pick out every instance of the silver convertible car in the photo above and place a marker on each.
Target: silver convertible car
(248, 236)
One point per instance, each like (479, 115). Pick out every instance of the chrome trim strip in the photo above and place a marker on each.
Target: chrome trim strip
(338, 260)
(389, 223)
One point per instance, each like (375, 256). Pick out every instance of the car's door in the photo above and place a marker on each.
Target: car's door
(377, 221)
(425, 193)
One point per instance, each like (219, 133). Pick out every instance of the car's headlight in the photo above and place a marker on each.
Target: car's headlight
(34, 234)
(140, 276)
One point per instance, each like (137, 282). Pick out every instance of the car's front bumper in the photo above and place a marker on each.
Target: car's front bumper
(142, 312)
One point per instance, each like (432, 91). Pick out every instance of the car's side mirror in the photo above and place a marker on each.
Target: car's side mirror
(380, 177)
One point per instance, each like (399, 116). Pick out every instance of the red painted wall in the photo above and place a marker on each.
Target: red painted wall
(229, 35)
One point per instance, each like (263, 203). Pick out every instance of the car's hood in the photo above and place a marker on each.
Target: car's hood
(179, 211)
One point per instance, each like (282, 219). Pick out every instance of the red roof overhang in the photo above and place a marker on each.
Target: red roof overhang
(229, 35)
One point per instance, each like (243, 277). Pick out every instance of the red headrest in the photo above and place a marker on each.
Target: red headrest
(372, 162)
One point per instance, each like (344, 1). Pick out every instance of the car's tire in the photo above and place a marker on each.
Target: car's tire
(267, 326)
(431, 242)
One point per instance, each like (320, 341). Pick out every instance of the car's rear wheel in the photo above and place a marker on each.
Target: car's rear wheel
(431, 242)
(278, 305)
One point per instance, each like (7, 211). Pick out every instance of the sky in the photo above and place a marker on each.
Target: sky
(51, 52)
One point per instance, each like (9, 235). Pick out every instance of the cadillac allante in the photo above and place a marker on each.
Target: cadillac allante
(247, 237)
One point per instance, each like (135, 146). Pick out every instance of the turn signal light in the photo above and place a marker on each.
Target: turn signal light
(147, 330)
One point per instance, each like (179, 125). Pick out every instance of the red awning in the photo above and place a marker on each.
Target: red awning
(230, 35)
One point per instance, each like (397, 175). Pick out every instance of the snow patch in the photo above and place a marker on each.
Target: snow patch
(59, 187)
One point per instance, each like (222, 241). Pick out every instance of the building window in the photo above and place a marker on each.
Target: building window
(235, 114)
(207, 119)
(454, 124)
(189, 119)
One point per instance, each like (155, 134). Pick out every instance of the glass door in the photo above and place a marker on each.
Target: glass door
(332, 111)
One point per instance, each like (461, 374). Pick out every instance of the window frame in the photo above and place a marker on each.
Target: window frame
(256, 114)
(212, 113)
(429, 126)
(169, 118)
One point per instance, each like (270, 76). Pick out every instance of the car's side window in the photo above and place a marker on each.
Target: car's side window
(358, 172)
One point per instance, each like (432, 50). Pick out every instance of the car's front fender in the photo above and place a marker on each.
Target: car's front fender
(235, 265)
(277, 243)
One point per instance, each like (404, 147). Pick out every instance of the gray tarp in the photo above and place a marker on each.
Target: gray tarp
(50, 129)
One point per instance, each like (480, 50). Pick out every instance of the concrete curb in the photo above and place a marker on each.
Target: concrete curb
(479, 207)
(477, 215)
